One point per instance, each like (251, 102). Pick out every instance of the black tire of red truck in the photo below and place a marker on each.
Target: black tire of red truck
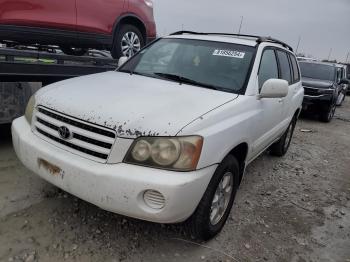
(128, 40)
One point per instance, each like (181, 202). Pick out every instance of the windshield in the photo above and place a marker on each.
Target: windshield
(317, 71)
(216, 65)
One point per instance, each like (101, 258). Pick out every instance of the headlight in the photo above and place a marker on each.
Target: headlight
(165, 151)
(141, 151)
(29, 109)
(173, 153)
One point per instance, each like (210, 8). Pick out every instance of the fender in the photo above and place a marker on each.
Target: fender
(120, 18)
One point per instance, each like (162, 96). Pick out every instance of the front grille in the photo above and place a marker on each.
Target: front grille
(86, 139)
(311, 91)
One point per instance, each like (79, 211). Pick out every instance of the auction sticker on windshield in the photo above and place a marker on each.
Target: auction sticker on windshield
(229, 53)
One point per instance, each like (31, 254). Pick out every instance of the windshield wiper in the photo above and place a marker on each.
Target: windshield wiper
(184, 80)
(132, 72)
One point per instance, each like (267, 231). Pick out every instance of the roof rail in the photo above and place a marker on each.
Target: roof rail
(259, 39)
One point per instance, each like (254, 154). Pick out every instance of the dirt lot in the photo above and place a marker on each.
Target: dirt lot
(295, 208)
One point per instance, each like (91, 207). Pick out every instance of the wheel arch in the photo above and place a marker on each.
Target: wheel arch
(240, 152)
(297, 113)
(131, 19)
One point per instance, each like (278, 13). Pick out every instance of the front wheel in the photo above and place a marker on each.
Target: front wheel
(341, 98)
(328, 113)
(127, 41)
(216, 203)
(280, 148)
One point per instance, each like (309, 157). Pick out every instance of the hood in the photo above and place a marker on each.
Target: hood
(317, 83)
(130, 104)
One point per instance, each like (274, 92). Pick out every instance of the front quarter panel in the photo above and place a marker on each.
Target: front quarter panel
(224, 128)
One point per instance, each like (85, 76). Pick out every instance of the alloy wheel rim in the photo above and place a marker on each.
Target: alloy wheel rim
(221, 198)
(130, 44)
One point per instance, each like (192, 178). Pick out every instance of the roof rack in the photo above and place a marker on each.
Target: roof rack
(259, 39)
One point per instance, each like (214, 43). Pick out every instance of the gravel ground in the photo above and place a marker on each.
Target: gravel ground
(295, 208)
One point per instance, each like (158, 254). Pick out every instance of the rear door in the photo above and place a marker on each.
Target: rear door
(286, 73)
(98, 16)
(39, 13)
(297, 87)
(338, 78)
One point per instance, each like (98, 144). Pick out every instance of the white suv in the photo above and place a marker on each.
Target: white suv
(166, 138)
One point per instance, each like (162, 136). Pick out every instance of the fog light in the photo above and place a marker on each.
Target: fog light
(154, 199)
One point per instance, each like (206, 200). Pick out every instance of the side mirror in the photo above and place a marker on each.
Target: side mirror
(344, 81)
(274, 88)
(122, 61)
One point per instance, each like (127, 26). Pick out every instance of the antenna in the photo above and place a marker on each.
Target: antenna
(240, 25)
(296, 50)
(329, 55)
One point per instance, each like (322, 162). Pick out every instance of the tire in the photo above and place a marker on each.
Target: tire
(341, 98)
(328, 113)
(73, 51)
(124, 34)
(280, 148)
(200, 225)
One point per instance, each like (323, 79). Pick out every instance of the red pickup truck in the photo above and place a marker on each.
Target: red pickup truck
(121, 26)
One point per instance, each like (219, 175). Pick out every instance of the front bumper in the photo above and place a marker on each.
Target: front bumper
(321, 99)
(117, 188)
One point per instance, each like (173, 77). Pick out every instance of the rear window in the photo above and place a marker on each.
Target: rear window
(284, 66)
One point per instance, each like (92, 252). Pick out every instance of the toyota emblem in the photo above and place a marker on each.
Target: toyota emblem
(64, 132)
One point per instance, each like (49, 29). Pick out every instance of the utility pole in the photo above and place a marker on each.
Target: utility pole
(329, 55)
(296, 50)
(347, 56)
(240, 26)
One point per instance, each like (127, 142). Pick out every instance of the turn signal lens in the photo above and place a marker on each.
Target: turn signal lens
(29, 109)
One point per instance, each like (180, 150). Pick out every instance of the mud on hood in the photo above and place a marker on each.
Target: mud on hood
(130, 104)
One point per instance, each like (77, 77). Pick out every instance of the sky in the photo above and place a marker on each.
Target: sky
(321, 24)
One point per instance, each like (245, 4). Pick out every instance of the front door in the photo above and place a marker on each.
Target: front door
(268, 126)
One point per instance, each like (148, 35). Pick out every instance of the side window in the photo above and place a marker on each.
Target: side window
(343, 73)
(296, 74)
(284, 66)
(338, 75)
(268, 67)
